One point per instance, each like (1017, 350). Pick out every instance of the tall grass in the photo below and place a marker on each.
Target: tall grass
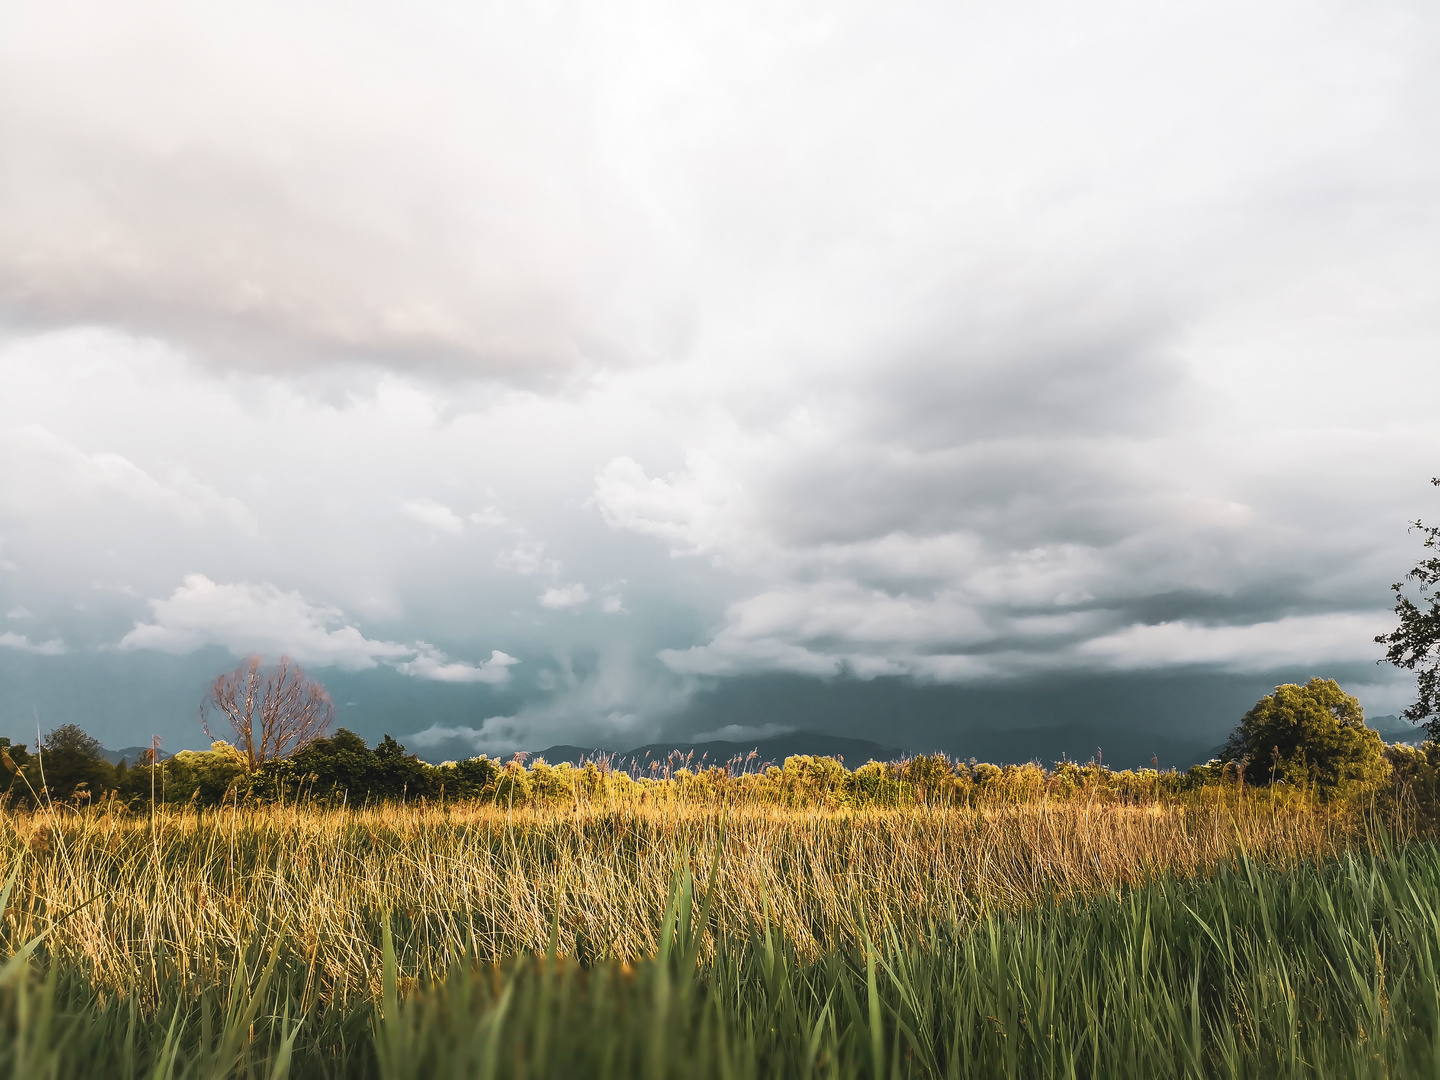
(178, 898)
(1316, 971)
(1321, 969)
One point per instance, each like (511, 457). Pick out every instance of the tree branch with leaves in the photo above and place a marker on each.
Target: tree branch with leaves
(1415, 644)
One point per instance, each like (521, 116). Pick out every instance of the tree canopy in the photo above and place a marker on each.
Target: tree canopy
(71, 760)
(1415, 644)
(1300, 734)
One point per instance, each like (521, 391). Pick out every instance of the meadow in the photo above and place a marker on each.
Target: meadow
(1091, 928)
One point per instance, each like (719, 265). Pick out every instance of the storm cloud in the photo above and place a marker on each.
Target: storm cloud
(549, 374)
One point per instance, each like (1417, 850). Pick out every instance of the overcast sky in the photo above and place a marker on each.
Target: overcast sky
(548, 372)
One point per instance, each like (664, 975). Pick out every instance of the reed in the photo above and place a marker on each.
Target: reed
(136, 903)
(1318, 969)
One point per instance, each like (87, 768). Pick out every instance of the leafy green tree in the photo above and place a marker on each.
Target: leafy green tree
(1302, 733)
(13, 759)
(400, 775)
(343, 767)
(1415, 644)
(71, 761)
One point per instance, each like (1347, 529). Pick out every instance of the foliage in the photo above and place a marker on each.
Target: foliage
(343, 768)
(71, 764)
(342, 764)
(1312, 733)
(1415, 644)
(209, 776)
(13, 759)
(471, 779)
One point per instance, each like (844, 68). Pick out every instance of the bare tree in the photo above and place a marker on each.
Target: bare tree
(275, 711)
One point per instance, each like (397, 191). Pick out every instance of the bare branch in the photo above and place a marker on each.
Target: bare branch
(273, 711)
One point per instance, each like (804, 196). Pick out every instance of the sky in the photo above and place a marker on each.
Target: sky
(606, 373)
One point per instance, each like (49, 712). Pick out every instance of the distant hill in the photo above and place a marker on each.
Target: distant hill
(1121, 748)
(129, 754)
(1395, 730)
(1390, 728)
(1118, 747)
(771, 751)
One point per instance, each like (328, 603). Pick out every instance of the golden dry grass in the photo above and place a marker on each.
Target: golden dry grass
(183, 893)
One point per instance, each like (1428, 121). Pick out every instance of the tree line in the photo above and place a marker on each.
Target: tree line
(1311, 739)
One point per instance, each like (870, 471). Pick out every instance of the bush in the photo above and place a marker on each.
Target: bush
(469, 779)
(208, 775)
(874, 783)
(1304, 736)
(929, 775)
(512, 786)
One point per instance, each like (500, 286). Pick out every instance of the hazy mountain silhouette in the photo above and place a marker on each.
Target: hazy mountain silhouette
(771, 751)
(1395, 730)
(1008, 745)
(129, 754)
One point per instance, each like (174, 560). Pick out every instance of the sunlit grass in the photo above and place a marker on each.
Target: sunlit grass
(1324, 969)
(179, 896)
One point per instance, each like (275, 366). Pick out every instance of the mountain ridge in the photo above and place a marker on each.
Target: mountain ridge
(768, 751)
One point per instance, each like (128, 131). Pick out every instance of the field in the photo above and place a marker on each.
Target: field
(1232, 935)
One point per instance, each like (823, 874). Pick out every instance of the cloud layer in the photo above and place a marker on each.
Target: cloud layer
(645, 351)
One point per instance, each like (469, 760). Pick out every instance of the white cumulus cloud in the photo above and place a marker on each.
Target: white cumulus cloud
(490, 516)
(436, 515)
(431, 663)
(260, 618)
(249, 618)
(496, 736)
(526, 558)
(696, 511)
(21, 643)
(742, 733)
(558, 597)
